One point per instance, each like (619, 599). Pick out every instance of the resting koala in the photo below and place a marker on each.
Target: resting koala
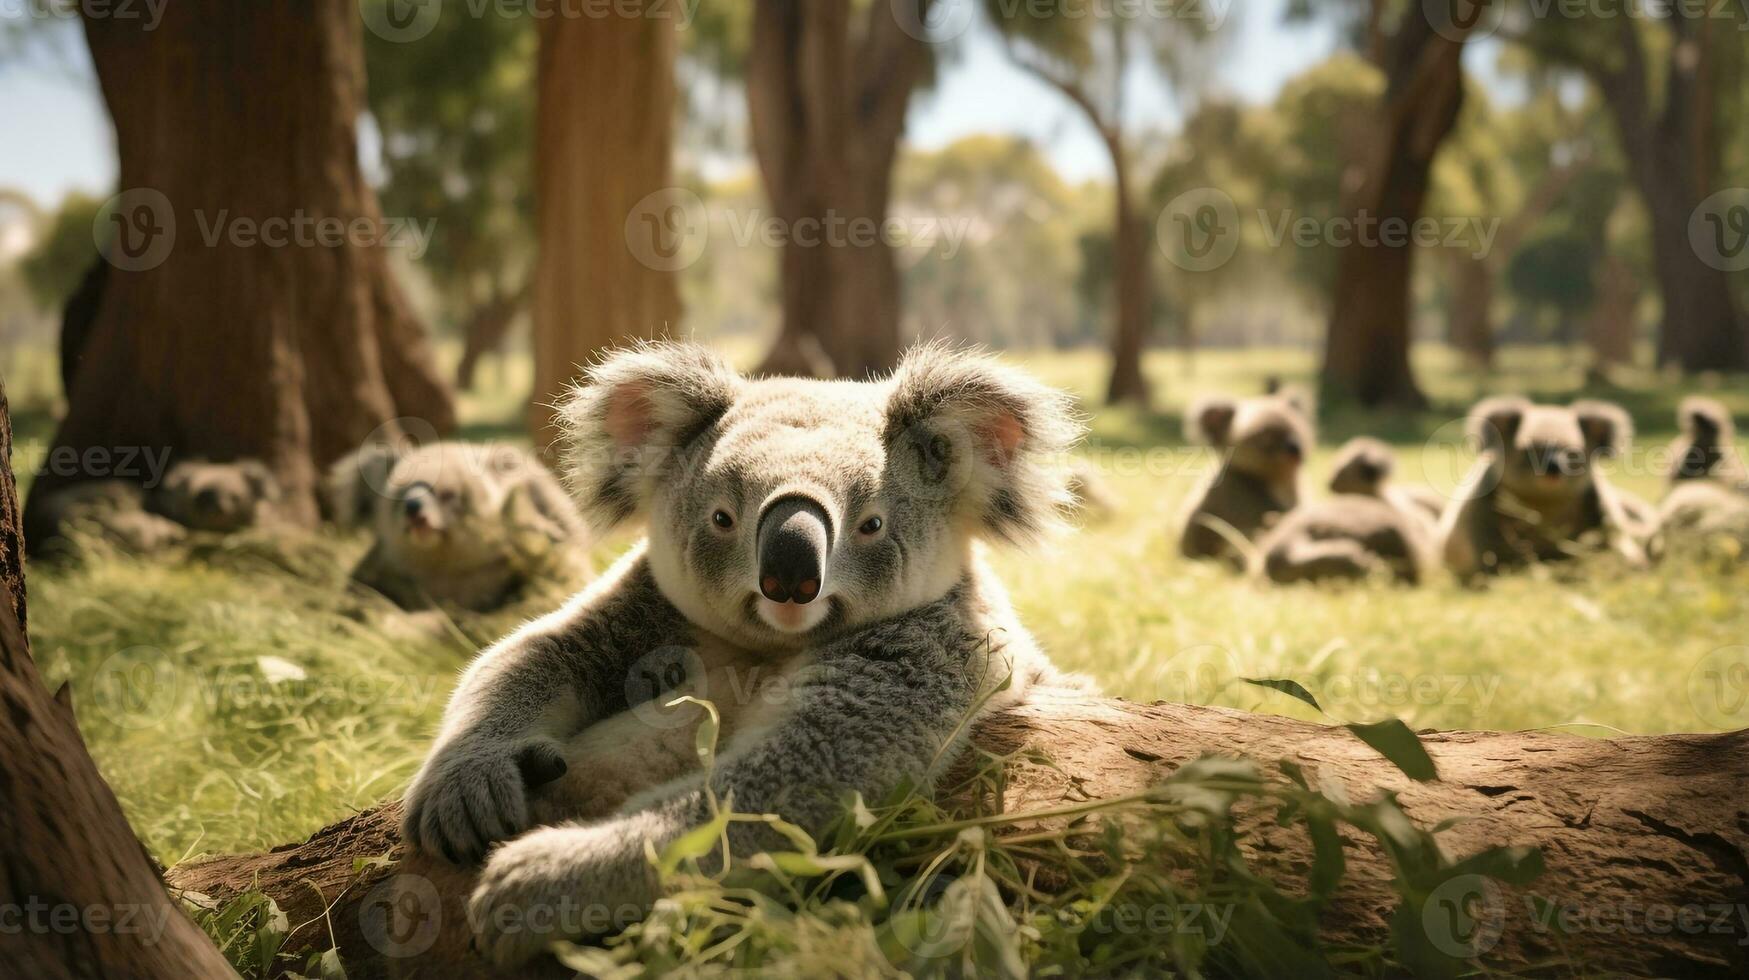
(816, 535)
(1344, 538)
(1535, 495)
(114, 510)
(219, 497)
(1704, 450)
(1364, 467)
(1265, 440)
(455, 523)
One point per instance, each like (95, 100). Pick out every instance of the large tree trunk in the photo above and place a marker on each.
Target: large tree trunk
(827, 88)
(1624, 824)
(1366, 354)
(1130, 253)
(82, 897)
(290, 344)
(613, 229)
(1670, 160)
(1611, 322)
(1470, 329)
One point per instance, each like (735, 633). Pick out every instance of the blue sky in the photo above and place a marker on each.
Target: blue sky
(57, 137)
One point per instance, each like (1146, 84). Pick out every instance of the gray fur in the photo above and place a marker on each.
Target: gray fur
(114, 511)
(1366, 467)
(492, 519)
(1264, 441)
(912, 637)
(1347, 537)
(1706, 449)
(1535, 494)
(219, 497)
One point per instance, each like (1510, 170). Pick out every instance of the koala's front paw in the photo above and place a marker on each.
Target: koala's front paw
(472, 794)
(568, 882)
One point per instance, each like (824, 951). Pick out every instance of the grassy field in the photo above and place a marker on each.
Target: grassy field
(237, 697)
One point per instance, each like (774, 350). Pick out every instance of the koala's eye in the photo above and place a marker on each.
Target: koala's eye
(722, 519)
(872, 526)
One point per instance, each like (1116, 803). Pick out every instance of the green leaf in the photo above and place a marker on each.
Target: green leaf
(695, 843)
(1517, 865)
(1293, 689)
(1397, 743)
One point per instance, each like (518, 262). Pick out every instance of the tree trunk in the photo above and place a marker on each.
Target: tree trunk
(1624, 824)
(82, 897)
(251, 311)
(613, 229)
(1610, 325)
(1471, 326)
(1670, 160)
(1130, 253)
(827, 104)
(1366, 355)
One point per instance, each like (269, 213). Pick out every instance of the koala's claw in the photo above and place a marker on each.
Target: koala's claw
(468, 798)
(540, 764)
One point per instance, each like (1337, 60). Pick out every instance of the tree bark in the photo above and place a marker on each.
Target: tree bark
(613, 230)
(251, 311)
(1366, 354)
(1670, 159)
(1610, 324)
(1471, 326)
(1624, 824)
(82, 897)
(1130, 253)
(826, 96)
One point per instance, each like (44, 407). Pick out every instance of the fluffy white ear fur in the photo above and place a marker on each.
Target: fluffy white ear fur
(999, 435)
(633, 411)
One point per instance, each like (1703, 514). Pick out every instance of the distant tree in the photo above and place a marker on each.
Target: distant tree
(1671, 81)
(456, 114)
(214, 340)
(609, 220)
(1087, 55)
(1366, 352)
(828, 83)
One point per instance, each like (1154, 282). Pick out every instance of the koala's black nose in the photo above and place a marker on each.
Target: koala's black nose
(1293, 449)
(794, 533)
(413, 506)
(207, 499)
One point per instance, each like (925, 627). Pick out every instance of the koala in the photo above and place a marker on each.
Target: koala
(1705, 449)
(217, 497)
(1344, 538)
(1704, 508)
(455, 523)
(1364, 467)
(819, 538)
(115, 510)
(1535, 495)
(1264, 441)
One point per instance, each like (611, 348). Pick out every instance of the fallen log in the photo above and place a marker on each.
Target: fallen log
(1646, 839)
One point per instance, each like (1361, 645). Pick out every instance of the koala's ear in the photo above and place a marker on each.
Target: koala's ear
(356, 481)
(1493, 422)
(993, 434)
(1704, 420)
(261, 480)
(1368, 457)
(632, 412)
(1210, 421)
(1607, 428)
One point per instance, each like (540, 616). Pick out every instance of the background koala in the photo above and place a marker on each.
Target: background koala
(1705, 449)
(114, 510)
(821, 531)
(454, 522)
(1364, 467)
(1535, 493)
(1344, 538)
(1265, 441)
(220, 497)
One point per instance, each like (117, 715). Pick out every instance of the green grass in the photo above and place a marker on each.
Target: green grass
(239, 697)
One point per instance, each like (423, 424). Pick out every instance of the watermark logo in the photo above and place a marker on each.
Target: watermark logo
(1464, 916)
(934, 22)
(401, 916)
(1718, 687)
(136, 229)
(401, 21)
(657, 677)
(1464, 20)
(1198, 674)
(1199, 230)
(136, 688)
(668, 229)
(1718, 230)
